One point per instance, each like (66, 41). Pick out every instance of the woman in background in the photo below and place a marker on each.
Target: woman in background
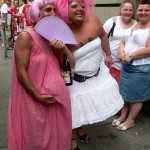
(134, 52)
(122, 23)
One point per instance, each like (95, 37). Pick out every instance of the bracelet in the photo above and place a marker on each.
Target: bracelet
(131, 57)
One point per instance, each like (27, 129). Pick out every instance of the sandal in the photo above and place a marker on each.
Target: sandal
(116, 123)
(84, 138)
(122, 127)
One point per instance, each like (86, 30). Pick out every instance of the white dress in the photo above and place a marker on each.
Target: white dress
(97, 98)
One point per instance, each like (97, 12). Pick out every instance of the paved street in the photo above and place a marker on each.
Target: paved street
(103, 135)
(5, 67)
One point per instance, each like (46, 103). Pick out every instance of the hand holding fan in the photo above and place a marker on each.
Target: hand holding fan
(52, 27)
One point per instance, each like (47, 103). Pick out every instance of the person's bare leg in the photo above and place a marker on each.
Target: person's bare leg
(82, 135)
(80, 131)
(124, 114)
(74, 141)
(135, 108)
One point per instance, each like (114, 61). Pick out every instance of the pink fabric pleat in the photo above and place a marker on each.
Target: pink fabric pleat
(32, 125)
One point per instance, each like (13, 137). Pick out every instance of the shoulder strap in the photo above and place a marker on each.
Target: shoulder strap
(114, 18)
(149, 30)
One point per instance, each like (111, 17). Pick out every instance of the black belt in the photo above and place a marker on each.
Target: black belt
(81, 78)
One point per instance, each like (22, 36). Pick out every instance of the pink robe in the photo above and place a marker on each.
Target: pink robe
(32, 125)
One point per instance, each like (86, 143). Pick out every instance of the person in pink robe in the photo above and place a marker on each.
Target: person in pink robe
(39, 114)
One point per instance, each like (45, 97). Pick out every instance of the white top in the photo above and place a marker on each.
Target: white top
(4, 9)
(9, 17)
(21, 9)
(134, 41)
(115, 40)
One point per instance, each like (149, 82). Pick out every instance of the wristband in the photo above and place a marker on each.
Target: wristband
(131, 57)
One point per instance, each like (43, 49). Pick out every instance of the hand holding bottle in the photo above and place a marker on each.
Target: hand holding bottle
(63, 73)
(67, 74)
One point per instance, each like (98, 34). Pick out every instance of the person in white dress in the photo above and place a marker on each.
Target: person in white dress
(94, 93)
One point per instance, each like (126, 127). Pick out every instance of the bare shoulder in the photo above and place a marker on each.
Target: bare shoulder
(24, 40)
(95, 22)
(95, 25)
(95, 19)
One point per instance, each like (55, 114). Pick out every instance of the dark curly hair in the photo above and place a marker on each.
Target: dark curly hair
(143, 2)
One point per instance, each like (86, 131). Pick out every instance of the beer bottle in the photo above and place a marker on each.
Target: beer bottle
(67, 71)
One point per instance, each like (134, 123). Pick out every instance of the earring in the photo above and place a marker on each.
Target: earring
(40, 16)
(90, 39)
(81, 44)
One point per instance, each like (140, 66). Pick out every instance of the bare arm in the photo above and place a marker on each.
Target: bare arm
(121, 50)
(105, 45)
(60, 48)
(23, 46)
(141, 53)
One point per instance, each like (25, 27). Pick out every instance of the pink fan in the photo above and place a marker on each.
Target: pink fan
(52, 27)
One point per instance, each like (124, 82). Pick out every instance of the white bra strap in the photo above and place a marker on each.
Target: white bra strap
(149, 30)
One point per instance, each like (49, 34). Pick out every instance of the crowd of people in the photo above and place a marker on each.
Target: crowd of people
(107, 62)
(16, 19)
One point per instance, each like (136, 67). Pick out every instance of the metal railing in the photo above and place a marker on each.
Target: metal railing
(3, 35)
